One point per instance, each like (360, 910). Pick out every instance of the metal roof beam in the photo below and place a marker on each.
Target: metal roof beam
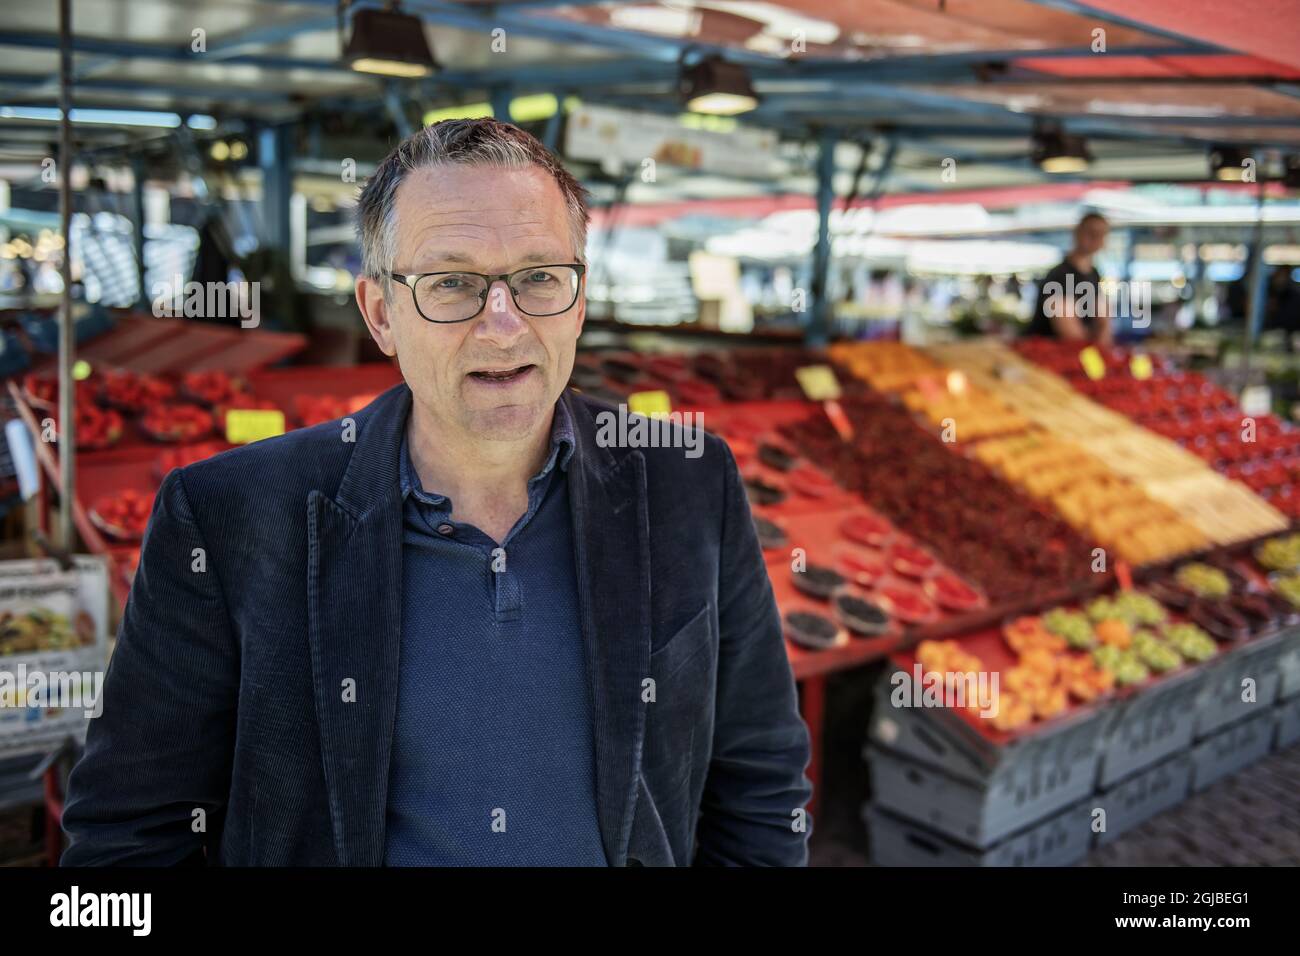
(23, 81)
(124, 49)
(232, 45)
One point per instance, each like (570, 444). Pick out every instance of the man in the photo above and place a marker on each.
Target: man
(456, 629)
(1070, 304)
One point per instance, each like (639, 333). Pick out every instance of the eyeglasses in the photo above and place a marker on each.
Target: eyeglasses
(449, 297)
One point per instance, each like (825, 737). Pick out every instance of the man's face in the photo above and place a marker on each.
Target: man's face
(493, 221)
(1090, 236)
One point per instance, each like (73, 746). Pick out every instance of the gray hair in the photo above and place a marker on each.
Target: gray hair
(463, 142)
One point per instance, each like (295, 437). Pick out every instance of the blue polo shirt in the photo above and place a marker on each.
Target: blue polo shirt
(492, 761)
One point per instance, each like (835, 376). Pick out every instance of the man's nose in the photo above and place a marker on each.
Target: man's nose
(501, 323)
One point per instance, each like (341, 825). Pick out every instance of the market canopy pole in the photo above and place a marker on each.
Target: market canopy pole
(67, 430)
(818, 333)
(1257, 289)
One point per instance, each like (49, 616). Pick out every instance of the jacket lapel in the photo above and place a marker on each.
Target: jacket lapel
(354, 604)
(612, 559)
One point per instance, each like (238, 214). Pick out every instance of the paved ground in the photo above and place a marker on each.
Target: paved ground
(1250, 819)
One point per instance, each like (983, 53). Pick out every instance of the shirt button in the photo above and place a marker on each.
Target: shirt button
(445, 529)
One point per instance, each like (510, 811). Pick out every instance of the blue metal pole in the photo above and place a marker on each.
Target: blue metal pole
(499, 97)
(818, 332)
(137, 210)
(396, 110)
(274, 155)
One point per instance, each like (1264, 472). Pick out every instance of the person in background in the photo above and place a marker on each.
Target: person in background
(1282, 305)
(1070, 305)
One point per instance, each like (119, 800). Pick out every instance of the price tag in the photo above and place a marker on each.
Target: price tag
(1140, 366)
(839, 421)
(650, 404)
(1094, 366)
(818, 382)
(1256, 400)
(244, 425)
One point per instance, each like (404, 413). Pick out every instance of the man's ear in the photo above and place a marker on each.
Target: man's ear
(374, 309)
(582, 304)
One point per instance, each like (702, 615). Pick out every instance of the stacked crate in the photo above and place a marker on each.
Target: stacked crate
(943, 795)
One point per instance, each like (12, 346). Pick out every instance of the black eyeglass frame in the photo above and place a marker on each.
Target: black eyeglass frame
(410, 282)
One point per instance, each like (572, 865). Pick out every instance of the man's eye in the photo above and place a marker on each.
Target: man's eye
(451, 282)
(537, 278)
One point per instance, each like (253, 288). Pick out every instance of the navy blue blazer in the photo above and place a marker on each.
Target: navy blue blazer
(270, 577)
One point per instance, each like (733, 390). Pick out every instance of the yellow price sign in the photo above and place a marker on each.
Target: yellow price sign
(1094, 366)
(650, 404)
(244, 425)
(818, 382)
(1140, 366)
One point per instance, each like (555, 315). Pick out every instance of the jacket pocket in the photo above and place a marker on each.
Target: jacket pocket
(679, 722)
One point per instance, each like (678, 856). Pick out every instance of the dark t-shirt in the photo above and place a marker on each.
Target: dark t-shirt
(1064, 279)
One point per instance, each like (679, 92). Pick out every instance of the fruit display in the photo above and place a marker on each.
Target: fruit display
(1259, 451)
(907, 604)
(1223, 511)
(315, 409)
(951, 592)
(134, 392)
(860, 616)
(818, 582)
(177, 422)
(184, 455)
(1203, 580)
(1157, 655)
(123, 516)
(970, 412)
(887, 366)
(1123, 663)
(1226, 512)
(956, 506)
(1073, 626)
(1091, 497)
(1190, 641)
(41, 391)
(705, 379)
(1129, 635)
(813, 631)
(1046, 675)
(1132, 607)
(212, 388)
(40, 629)
(1280, 554)
(97, 428)
(1113, 632)
(1288, 585)
(1222, 599)
(1045, 399)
